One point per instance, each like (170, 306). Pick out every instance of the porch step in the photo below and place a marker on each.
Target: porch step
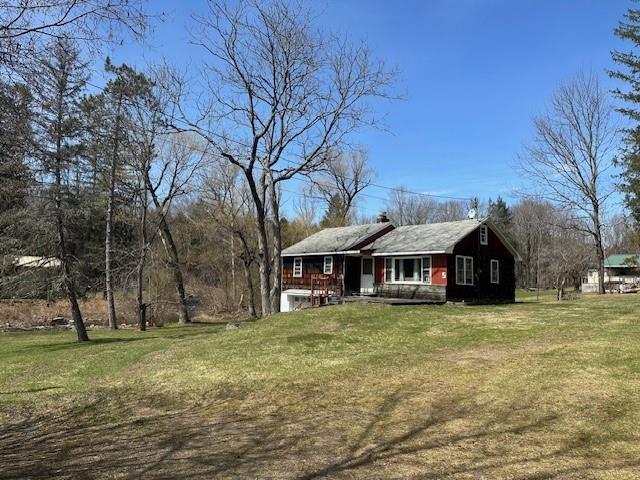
(382, 300)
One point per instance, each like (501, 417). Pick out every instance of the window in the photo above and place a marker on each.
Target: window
(297, 267)
(407, 270)
(464, 270)
(484, 235)
(388, 270)
(328, 265)
(426, 270)
(367, 266)
(495, 271)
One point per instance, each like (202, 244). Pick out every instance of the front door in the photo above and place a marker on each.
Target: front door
(366, 278)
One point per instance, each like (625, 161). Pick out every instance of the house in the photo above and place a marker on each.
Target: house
(31, 261)
(468, 260)
(621, 271)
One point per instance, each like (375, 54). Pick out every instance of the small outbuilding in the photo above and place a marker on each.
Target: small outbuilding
(621, 273)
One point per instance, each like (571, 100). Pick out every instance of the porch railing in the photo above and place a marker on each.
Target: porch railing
(323, 287)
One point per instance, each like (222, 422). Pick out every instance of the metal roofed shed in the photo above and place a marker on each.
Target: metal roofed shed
(622, 260)
(621, 274)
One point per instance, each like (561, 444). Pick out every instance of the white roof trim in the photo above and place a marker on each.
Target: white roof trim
(402, 254)
(318, 254)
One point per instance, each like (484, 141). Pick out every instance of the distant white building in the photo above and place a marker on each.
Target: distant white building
(620, 272)
(30, 261)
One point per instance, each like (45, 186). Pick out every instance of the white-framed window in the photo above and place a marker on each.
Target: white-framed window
(484, 235)
(328, 265)
(464, 270)
(426, 270)
(297, 267)
(388, 270)
(495, 271)
(407, 270)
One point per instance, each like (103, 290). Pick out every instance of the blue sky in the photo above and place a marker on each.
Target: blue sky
(472, 74)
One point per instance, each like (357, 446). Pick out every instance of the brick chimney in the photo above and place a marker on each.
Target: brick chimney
(382, 218)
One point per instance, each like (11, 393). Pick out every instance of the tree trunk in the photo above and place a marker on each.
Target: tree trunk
(233, 269)
(111, 306)
(600, 256)
(69, 285)
(276, 264)
(265, 270)
(142, 307)
(172, 252)
(264, 262)
(561, 289)
(251, 290)
(247, 261)
(174, 264)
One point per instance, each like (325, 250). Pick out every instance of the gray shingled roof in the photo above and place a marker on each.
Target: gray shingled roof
(337, 239)
(430, 237)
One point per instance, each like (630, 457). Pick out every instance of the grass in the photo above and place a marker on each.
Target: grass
(526, 391)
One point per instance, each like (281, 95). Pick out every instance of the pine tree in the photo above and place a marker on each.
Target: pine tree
(59, 86)
(500, 215)
(15, 138)
(336, 214)
(122, 91)
(629, 159)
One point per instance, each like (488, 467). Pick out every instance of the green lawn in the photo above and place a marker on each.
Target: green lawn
(524, 391)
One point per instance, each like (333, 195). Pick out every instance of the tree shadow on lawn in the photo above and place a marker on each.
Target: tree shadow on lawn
(205, 442)
(31, 390)
(61, 345)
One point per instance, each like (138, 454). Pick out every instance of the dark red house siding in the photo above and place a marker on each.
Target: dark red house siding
(443, 273)
(379, 270)
(438, 270)
(482, 288)
(310, 265)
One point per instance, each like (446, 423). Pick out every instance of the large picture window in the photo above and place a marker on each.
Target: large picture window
(297, 267)
(464, 270)
(407, 270)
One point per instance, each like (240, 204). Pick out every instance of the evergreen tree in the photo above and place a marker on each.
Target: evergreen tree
(336, 214)
(15, 140)
(123, 91)
(500, 215)
(629, 72)
(59, 86)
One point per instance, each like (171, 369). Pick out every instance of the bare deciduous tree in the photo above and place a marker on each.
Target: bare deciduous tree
(27, 25)
(280, 96)
(178, 160)
(229, 202)
(408, 208)
(346, 175)
(570, 159)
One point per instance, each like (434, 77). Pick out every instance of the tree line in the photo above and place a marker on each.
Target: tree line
(173, 189)
(103, 178)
